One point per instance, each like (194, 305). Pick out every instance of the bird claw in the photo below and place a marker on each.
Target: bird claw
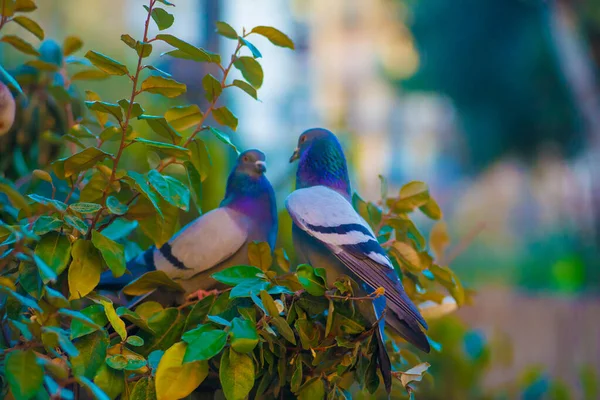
(201, 294)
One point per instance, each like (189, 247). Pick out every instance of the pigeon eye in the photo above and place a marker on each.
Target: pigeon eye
(303, 139)
(245, 159)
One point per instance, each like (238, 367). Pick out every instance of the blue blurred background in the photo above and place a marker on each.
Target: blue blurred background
(494, 104)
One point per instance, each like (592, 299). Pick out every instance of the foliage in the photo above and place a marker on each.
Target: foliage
(271, 333)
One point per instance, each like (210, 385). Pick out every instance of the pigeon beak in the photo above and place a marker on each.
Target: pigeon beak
(261, 166)
(296, 155)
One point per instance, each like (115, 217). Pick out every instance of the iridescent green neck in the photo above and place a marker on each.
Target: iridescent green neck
(324, 164)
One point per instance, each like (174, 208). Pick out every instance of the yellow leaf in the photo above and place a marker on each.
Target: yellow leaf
(439, 240)
(407, 254)
(175, 380)
(414, 374)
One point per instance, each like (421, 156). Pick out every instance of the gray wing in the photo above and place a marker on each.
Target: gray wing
(327, 216)
(202, 244)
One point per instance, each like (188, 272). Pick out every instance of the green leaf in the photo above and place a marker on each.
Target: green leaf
(174, 379)
(135, 341)
(244, 336)
(106, 108)
(116, 322)
(112, 252)
(85, 269)
(110, 381)
(134, 318)
(251, 70)
(218, 320)
(191, 51)
(432, 209)
(212, 87)
(252, 48)
(166, 148)
(237, 375)
(89, 75)
(71, 45)
(83, 160)
(200, 157)
(23, 373)
(313, 389)
(46, 273)
(225, 117)
(199, 312)
(55, 298)
(195, 184)
(150, 281)
(55, 204)
(282, 259)
(92, 96)
(170, 189)
(284, 329)
(128, 40)
(48, 66)
(115, 206)
(164, 86)
(269, 304)
(55, 337)
(81, 327)
(106, 64)
(20, 44)
(183, 117)
(246, 87)
(85, 208)
(55, 250)
(10, 80)
(117, 361)
(144, 389)
(163, 19)
(153, 68)
(92, 352)
(237, 274)
(143, 49)
(206, 347)
(76, 223)
(224, 138)
(224, 29)
(249, 286)
(259, 255)
(141, 185)
(275, 36)
(25, 6)
(30, 25)
(311, 280)
(160, 126)
(412, 195)
(27, 302)
(136, 109)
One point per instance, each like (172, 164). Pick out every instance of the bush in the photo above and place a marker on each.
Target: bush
(272, 333)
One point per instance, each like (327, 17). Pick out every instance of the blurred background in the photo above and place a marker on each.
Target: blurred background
(494, 104)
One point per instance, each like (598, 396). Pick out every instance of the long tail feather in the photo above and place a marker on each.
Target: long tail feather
(385, 365)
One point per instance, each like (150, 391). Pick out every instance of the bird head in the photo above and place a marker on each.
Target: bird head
(309, 138)
(251, 163)
(321, 161)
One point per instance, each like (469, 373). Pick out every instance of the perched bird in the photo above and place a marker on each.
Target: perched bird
(218, 239)
(328, 233)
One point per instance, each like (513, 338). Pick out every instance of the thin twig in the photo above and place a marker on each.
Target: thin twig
(124, 125)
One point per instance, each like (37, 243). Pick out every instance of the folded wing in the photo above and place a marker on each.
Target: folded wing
(330, 218)
(202, 244)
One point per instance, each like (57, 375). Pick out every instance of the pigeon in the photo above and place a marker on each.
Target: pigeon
(328, 233)
(216, 240)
